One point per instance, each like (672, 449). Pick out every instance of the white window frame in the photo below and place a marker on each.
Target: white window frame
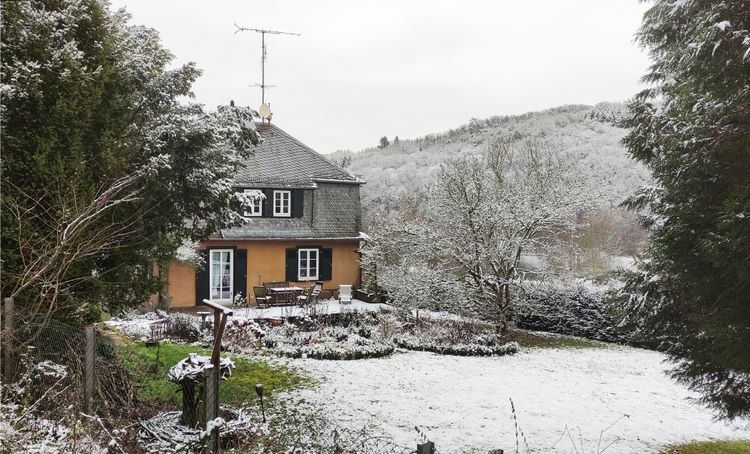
(308, 269)
(278, 210)
(256, 209)
(211, 275)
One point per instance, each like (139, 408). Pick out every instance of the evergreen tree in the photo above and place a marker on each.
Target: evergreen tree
(383, 142)
(96, 142)
(691, 292)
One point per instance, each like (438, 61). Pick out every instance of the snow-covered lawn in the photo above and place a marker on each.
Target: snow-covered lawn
(463, 404)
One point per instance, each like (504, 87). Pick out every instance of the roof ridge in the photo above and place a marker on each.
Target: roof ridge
(309, 150)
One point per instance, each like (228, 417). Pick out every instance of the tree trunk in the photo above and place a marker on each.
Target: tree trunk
(501, 323)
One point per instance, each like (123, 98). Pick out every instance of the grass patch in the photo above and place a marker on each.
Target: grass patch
(152, 385)
(532, 339)
(711, 447)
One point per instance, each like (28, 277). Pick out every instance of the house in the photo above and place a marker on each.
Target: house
(307, 228)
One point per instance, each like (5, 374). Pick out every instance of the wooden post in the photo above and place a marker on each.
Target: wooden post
(216, 353)
(212, 375)
(90, 356)
(9, 369)
(426, 448)
(211, 389)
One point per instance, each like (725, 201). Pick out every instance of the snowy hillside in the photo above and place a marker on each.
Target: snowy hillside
(588, 133)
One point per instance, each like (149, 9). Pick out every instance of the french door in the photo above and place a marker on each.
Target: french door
(221, 275)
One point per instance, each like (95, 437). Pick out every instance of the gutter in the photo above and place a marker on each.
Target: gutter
(333, 180)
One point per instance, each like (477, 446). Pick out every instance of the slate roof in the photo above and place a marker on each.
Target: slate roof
(282, 160)
(331, 207)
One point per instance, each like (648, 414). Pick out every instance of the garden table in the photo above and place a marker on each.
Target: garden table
(284, 295)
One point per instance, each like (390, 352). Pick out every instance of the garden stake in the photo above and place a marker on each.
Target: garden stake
(259, 391)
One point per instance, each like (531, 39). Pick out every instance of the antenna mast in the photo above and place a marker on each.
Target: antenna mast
(262, 84)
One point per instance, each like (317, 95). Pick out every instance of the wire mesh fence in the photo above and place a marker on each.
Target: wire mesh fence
(345, 440)
(42, 351)
(92, 373)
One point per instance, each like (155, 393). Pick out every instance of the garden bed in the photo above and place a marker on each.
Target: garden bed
(411, 342)
(447, 335)
(330, 342)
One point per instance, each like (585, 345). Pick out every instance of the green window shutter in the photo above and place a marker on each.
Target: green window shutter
(240, 272)
(201, 279)
(268, 203)
(298, 203)
(291, 264)
(326, 264)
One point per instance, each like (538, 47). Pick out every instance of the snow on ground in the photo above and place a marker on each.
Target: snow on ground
(323, 307)
(462, 403)
(139, 325)
(135, 324)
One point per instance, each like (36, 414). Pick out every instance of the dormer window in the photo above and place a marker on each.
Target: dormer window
(256, 209)
(282, 203)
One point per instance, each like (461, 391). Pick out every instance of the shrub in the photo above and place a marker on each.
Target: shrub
(242, 334)
(182, 327)
(574, 309)
(412, 342)
(453, 335)
(330, 342)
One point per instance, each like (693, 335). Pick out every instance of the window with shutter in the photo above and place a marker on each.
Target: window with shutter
(282, 203)
(307, 264)
(256, 208)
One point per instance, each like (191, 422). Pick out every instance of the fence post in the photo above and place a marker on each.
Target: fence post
(90, 356)
(426, 448)
(211, 388)
(7, 341)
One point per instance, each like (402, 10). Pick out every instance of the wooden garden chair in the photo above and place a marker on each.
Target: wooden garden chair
(312, 295)
(261, 296)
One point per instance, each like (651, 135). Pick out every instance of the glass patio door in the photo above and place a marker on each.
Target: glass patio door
(221, 272)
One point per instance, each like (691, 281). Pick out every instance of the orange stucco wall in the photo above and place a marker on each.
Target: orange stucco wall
(266, 262)
(181, 284)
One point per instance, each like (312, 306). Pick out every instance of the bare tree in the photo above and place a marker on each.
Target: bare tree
(485, 213)
(58, 231)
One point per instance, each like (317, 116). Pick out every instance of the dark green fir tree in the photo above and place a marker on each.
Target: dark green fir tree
(690, 294)
(105, 169)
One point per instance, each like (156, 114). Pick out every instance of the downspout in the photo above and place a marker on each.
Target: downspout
(312, 209)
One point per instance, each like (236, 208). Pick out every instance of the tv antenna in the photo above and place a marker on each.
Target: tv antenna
(265, 109)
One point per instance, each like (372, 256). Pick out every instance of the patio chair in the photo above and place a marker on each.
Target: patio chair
(312, 295)
(345, 294)
(261, 296)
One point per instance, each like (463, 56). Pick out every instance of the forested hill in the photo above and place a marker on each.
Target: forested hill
(590, 133)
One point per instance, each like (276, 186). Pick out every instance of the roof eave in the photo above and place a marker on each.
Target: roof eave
(336, 238)
(330, 180)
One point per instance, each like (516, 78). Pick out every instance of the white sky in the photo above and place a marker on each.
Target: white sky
(362, 70)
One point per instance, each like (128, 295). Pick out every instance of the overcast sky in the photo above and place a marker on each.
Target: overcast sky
(362, 70)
